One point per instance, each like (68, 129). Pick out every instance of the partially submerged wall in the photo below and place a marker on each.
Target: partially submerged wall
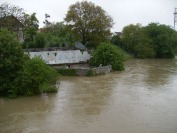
(91, 71)
(102, 70)
(62, 57)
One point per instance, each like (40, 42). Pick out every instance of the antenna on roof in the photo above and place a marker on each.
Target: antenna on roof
(175, 18)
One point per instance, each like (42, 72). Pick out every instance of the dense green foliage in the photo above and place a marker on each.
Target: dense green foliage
(52, 35)
(163, 38)
(31, 26)
(20, 75)
(57, 34)
(36, 77)
(152, 41)
(11, 60)
(31, 35)
(107, 54)
(67, 72)
(89, 23)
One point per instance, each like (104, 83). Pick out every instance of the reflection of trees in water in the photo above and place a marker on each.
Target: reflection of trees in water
(28, 104)
(88, 95)
(159, 71)
(149, 72)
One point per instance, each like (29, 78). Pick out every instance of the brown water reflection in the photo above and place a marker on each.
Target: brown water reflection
(142, 98)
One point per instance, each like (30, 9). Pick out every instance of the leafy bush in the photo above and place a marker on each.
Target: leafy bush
(20, 75)
(36, 77)
(107, 54)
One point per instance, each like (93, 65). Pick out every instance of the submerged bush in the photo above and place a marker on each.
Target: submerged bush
(90, 73)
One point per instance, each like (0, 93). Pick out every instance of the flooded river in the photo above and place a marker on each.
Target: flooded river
(141, 99)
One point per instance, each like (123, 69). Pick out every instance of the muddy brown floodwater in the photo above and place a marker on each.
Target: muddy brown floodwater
(141, 99)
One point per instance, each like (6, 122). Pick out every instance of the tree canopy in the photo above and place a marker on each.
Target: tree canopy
(89, 23)
(31, 25)
(56, 34)
(152, 41)
(163, 38)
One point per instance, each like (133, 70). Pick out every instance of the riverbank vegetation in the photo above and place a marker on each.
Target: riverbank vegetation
(151, 41)
(107, 54)
(20, 75)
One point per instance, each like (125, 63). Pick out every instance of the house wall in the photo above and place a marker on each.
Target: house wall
(20, 34)
(62, 57)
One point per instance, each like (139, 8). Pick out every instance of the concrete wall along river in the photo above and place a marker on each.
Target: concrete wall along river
(62, 57)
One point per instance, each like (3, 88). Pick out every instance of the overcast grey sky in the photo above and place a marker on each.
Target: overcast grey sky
(123, 12)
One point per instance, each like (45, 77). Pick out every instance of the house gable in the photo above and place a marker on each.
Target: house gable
(13, 25)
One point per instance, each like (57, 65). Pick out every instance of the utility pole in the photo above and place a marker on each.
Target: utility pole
(175, 18)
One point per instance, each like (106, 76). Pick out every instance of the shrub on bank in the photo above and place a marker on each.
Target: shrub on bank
(36, 77)
(107, 54)
(20, 75)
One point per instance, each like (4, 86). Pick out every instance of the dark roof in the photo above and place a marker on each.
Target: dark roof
(118, 33)
(10, 21)
(80, 46)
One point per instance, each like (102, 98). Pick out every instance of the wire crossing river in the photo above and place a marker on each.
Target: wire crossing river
(141, 99)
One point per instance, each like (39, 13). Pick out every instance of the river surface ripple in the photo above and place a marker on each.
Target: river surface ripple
(141, 99)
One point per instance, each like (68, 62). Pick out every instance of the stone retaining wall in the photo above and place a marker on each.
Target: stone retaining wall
(102, 70)
(95, 71)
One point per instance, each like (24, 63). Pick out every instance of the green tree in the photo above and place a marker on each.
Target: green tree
(154, 40)
(31, 26)
(89, 23)
(11, 61)
(136, 42)
(57, 34)
(173, 39)
(46, 21)
(131, 36)
(163, 39)
(107, 54)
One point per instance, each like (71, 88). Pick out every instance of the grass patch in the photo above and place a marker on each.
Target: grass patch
(124, 53)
